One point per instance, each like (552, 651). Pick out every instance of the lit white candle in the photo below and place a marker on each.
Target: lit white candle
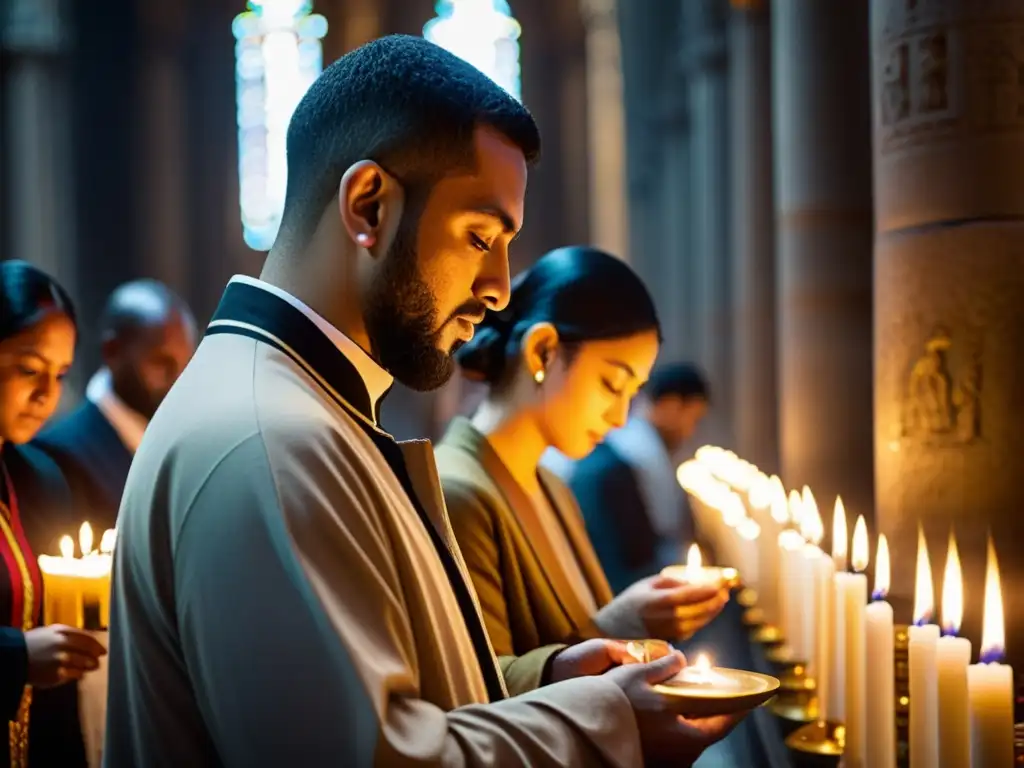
(812, 530)
(990, 684)
(840, 535)
(777, 515)
(790, 559)
(835, 700)
(852, 598)
(881, 668)
(952, 655)
(749, 532)
(824, 646)
(924, 684)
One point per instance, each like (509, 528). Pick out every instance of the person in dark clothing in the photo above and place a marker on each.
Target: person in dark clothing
(635, 511)
(37, 342)
(148, 335)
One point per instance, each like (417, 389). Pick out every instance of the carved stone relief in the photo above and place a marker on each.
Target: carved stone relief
(938, 407)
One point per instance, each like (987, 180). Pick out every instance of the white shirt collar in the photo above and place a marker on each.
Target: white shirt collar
(377, 380)
(127, 423)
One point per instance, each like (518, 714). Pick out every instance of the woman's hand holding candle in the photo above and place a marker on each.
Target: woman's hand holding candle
(58, 654)
(661, 607)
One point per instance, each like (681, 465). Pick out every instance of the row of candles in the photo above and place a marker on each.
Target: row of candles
(74, 586)
(961, 714)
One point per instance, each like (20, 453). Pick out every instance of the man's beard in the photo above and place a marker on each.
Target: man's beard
(132, 391)
(401, 319)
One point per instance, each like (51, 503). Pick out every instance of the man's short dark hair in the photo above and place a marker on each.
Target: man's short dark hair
(403, 102)
(683, 380)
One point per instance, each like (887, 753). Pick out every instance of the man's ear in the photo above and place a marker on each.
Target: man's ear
(370, 202)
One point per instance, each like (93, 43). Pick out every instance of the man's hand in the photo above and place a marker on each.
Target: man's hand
(591, 657)
(665, 736)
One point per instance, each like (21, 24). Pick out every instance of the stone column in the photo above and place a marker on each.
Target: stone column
(821, 123)
(705, 55)
(606, 128)
(162, 168)
(949, 276)
(755, 393)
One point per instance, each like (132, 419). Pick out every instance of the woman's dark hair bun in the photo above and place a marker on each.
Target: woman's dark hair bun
(585, 293)
(26, 294)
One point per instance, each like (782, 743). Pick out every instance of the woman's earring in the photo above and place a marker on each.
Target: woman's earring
(539, 376)
(363, 239)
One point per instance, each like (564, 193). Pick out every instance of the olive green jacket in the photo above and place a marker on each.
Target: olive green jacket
(526, 599)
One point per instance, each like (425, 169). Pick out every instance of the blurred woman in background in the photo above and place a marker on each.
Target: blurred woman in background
(37, 344)
(562, 363)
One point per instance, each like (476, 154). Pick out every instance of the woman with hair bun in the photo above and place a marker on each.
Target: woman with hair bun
(562, 363)
(37, 346)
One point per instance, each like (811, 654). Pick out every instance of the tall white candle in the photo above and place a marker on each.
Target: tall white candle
(952, 655)
(852, 591)
(748, 532)
(990, 684)
(777, 516)
(835, 702)
(813, 531)
(790, 560)
(824, 645)
(924, 685)
(881, 668)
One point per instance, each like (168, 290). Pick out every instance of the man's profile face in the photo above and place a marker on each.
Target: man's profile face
(677, 418)
(150, 360)
(448, 265)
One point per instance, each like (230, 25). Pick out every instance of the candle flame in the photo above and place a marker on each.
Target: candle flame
(748, 529)
(733, 511)
(85, 538)
(861, 550)
(840, 534)
(693, 557)
(67, 547)
(807, 498)
(703, 663)
(952, 591)
(811, 526)
(882, 575)
(795, 513)
(761, 491)
(993, 628)
(107, 541)
(924, 592)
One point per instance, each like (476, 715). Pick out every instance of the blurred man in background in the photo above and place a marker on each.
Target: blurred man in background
(148, 335)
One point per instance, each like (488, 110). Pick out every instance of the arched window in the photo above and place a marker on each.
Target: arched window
(277, 58)
(483, 33)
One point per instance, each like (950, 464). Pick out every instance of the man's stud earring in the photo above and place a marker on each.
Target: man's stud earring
(539, 376)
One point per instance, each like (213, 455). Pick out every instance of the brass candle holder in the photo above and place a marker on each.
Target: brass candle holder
(768, 635)
(795, 703)
(823, 739)
(747, 597)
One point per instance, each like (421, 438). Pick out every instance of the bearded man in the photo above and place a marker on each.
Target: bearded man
(287, 590)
